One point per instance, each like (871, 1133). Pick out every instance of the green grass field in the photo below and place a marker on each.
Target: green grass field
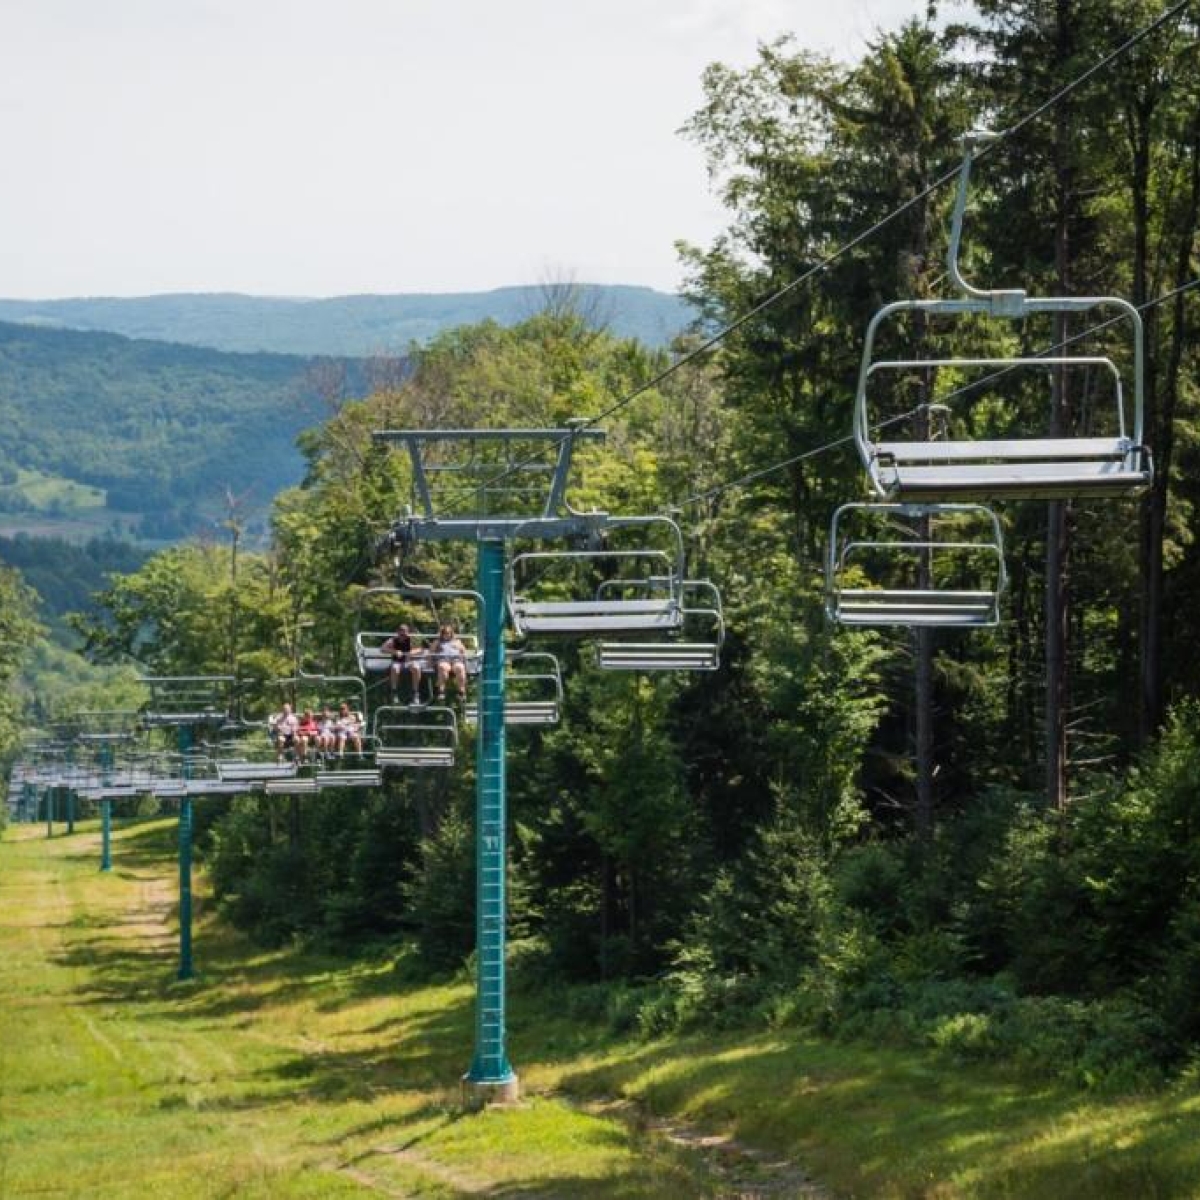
(284, 1074)
(45, 492)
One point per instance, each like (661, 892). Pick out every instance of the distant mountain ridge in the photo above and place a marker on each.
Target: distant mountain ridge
(347, 326)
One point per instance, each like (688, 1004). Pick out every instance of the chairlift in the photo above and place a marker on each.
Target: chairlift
(316, 694)
(533, 690)
(1106, 462)
(187, 700)
(414, 737)
(101, 728)
(424, 610)
(695, 647)
(612, 589)
(918, 565)
(297, 785)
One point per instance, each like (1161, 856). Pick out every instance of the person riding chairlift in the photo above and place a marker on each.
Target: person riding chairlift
(406, 656)
(450, 658)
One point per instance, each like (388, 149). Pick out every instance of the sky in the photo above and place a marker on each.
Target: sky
(335, 147)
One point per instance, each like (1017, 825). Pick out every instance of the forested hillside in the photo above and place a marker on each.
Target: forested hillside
(354, 326)
(161, 430)
(65, 574)
(982, 840)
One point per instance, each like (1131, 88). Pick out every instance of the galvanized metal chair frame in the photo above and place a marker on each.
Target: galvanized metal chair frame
(1049, 467)
(931, 605)
(648, 601)
(187, 700)
(700, 612)
(404, 736)
(533, 691)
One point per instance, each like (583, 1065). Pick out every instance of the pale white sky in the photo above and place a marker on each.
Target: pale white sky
(326, 147)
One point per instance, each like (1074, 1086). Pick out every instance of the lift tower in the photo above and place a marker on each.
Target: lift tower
(489, 486)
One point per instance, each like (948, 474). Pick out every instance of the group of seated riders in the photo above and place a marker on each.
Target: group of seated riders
(445, 657)
(312, 735)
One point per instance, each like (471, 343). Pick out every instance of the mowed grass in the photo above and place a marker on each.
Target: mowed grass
(270, 1074)
(284, 1074)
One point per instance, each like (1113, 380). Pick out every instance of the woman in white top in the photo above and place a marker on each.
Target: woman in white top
(449, 658)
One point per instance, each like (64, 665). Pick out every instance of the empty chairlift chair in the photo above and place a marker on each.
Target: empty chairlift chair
(634, 600)
(408, 737)
(533, 690)
(915, 565)
(187, 700)
(1105, 460)
(695, 646)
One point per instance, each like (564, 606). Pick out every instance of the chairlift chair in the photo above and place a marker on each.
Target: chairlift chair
(1054, 466)
(915, 565)
(424, 609)
(533, 690)
(613, 590)
(696, 647)
(420, 737)
(187, 700)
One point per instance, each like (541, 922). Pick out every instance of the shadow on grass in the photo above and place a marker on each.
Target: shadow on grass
(433, 1050)
(851, 1114)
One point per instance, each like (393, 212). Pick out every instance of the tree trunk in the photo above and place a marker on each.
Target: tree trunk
(1160, 431)
(1057, 519)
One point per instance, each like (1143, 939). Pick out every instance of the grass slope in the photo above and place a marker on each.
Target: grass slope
(283, 1074)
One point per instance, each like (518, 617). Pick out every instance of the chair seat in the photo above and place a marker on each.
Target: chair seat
(657, 656)
(518, 712)
(1014, 479)
(290, 787)
(597, 616)
(254, 772)
(889, 606)
(1009, 450)
(363, 777)
(416, 756)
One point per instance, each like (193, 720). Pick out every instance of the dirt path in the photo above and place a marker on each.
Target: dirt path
(742, 1172)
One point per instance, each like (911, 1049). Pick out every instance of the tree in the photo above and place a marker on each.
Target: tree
(18, 631)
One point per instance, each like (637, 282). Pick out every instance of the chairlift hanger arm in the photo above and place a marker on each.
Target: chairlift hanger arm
(562, 439)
